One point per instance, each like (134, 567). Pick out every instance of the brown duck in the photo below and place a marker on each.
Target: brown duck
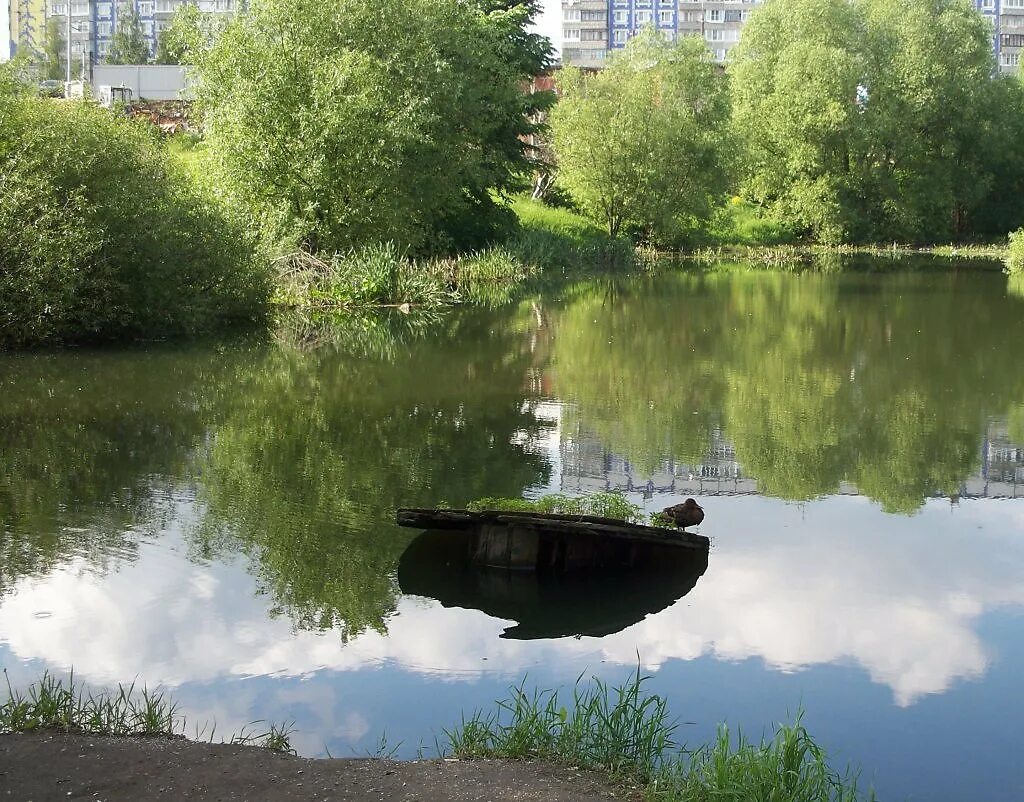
(686, 514)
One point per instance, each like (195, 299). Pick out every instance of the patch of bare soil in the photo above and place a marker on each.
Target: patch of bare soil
(44, 766)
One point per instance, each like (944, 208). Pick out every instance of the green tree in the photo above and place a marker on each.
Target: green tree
(642, 145)
(190, 33)
(868, 119)
(54, 50)
(342, 124)
(128, 45)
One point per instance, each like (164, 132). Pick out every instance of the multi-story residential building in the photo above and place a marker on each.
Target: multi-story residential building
(27, 26)
(717, 21)
(591, 29)
(93, 22)
(1007, 18)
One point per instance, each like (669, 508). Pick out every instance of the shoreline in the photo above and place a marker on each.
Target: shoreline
(51, 764)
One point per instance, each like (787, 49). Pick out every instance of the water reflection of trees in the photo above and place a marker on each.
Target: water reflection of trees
(305, 473)
(884, 381)
(88, 440)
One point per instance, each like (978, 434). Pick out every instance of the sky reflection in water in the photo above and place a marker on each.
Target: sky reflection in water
(220, 522)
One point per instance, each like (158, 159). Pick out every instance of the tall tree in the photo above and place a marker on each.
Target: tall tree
(55, 44)
(191, 32)
(128, 45)
(643, 145)
(873, 119)
(427, 135)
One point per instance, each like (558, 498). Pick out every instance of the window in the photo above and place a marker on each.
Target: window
(593, 36)
(1008, 59)
(620, 37)
(146, 8)
(166, 6)
(571, 34)
(572, 15)
(715, 35)
(714, 15)
(621, 17)
(1013, 4)
(58, 10)
(664, 17)
(1012, 40)
(79, 9)
(103, 29)
(594, 16)
(642, 18)
(988, 5)
(103, 10)
(102, 48)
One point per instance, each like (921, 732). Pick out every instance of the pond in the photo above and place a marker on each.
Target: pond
(219, 518)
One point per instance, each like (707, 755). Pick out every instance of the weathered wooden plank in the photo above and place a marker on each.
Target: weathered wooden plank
(591, 526)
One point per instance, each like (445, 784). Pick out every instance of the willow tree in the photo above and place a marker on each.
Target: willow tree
(642, 146)
(346, 123)
(876, 119)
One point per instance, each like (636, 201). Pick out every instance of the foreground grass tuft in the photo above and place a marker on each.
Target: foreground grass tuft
(55, 704)
(627, 732)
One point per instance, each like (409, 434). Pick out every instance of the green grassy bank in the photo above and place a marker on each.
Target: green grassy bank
(624, 731)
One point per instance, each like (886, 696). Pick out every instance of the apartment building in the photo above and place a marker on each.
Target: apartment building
(27, 20)
(1007, 20)
(594, 28)
(591, 29)
(93, 22)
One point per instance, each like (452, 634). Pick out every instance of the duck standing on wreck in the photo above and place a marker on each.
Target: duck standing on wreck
(689, 513)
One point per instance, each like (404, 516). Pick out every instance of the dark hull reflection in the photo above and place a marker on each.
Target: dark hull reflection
(547, 604)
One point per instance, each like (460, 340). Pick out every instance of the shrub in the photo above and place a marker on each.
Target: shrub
(100, 240)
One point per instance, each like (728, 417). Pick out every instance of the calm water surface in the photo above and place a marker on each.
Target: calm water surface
(219, 518)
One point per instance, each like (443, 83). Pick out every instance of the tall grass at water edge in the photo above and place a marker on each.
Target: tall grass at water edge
(383, 274)
(628, 733)
(56, 704)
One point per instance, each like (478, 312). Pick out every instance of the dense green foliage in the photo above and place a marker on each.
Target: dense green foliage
(100, 239)
(428, 129)
(628, 732)
(128, 45)
(642, 145)
(866, 120)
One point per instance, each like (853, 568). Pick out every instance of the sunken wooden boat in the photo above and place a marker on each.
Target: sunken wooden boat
(532, 541)
(547, 603)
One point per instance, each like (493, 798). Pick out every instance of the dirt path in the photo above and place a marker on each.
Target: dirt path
(39, 767)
